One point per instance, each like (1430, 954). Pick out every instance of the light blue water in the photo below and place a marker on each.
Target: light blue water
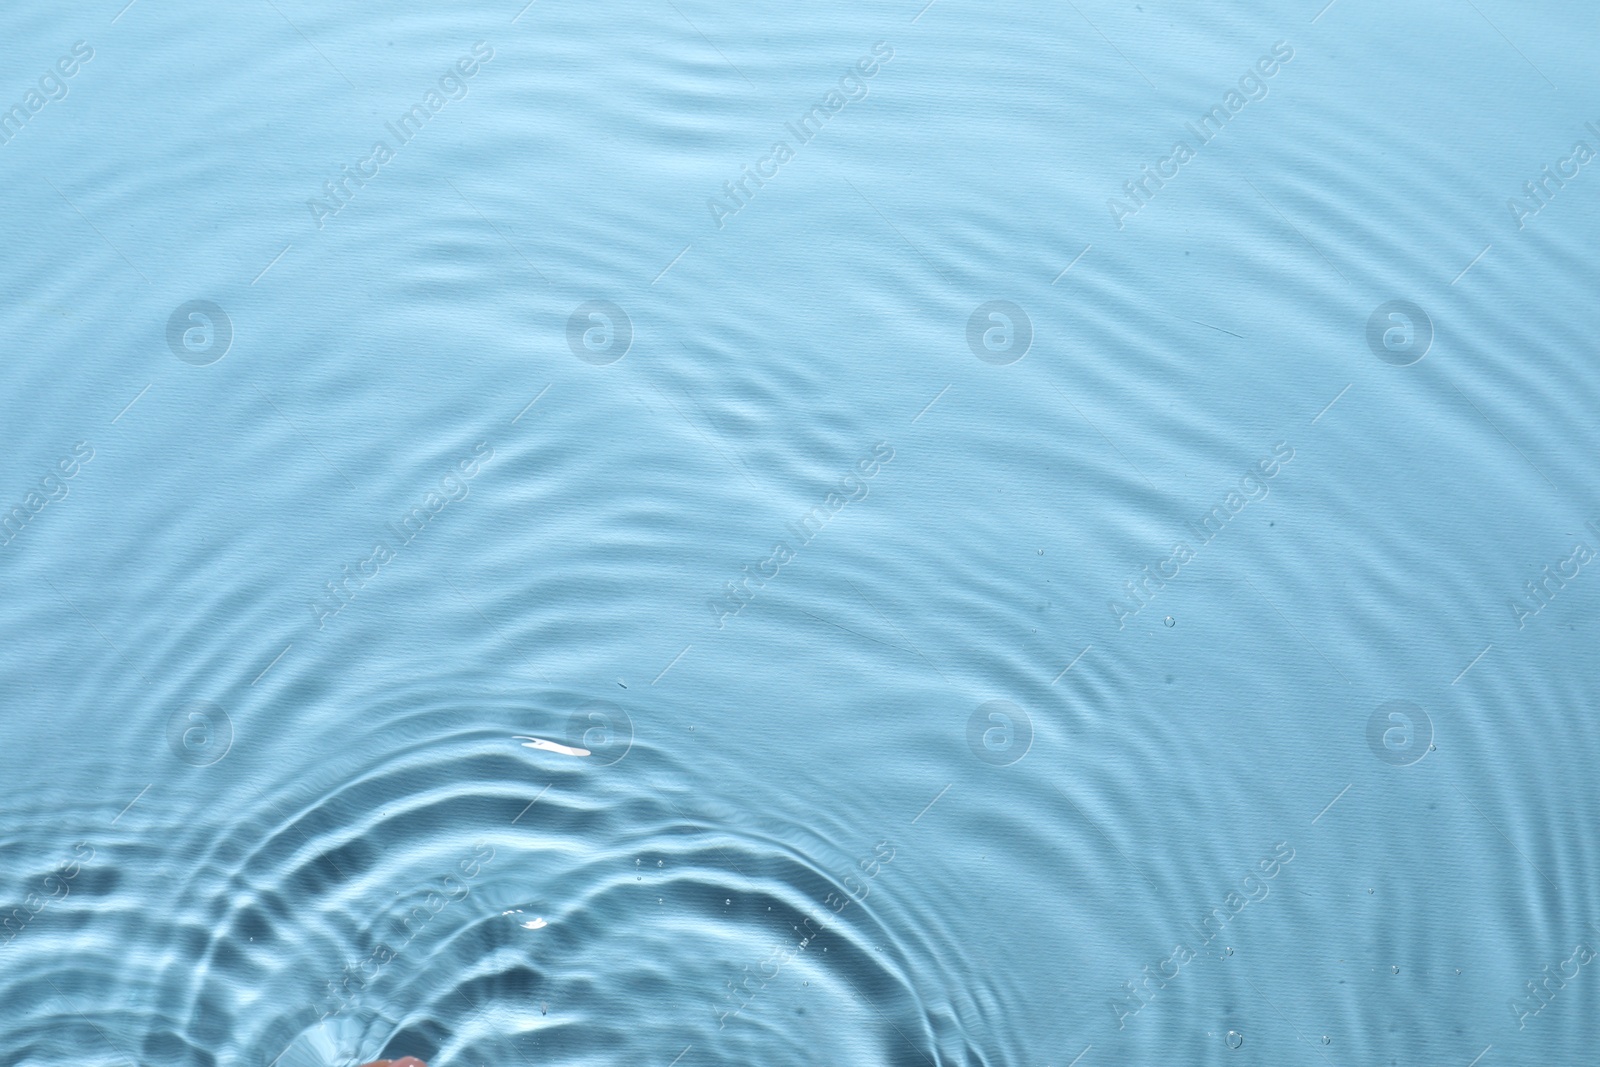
(812, 534)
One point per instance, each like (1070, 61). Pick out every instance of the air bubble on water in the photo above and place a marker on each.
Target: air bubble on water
(661, 863)
(729, 901)
(1235, 1039)
(1228, 951)
(1458, 970)
(1326, 1040)
(1369, 892)
(1396, 970)
(1170, 621)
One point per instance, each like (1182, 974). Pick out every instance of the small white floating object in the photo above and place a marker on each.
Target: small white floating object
(550, 746)
(536, 924)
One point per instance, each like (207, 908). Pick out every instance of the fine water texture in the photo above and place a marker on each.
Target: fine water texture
(892, 533)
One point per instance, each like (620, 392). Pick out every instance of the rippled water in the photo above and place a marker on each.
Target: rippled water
(866, 534)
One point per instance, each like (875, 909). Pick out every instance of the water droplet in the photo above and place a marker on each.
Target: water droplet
(728, 901)
(1458, 970)
(1041, 552)
(1170, 621)
(661, 863)
(637, 862)
(1235, 1039)
(1228, 951)
(1326, 1040)
(1369, 892)
(1396, 970)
